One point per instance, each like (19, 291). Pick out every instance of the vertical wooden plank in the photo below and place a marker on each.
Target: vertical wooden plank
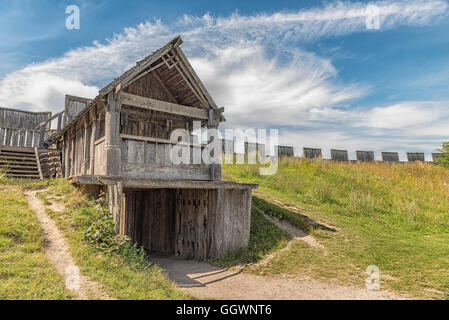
(148, 200)
(151, 153)
(129, 221)
(170, 230)
(211, 245)
(124, 150)
(178, 224)
(227, 220)
(160, 153)
(156, 219)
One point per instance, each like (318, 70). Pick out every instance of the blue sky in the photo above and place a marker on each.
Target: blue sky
(309, 68)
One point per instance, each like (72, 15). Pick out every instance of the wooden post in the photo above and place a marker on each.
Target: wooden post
(36, 152)
(86, 145)
(92, 143)
(42, 135)
(213, 123)
(60, 118)
(112, 134)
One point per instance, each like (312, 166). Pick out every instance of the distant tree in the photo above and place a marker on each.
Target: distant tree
(444, 158)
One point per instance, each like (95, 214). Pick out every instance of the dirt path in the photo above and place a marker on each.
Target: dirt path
(58, 253)
(295, 233)
(208, 282)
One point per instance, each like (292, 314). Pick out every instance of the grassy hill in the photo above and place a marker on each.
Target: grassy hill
(394, 216)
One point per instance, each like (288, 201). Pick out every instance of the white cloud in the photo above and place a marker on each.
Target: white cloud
(406, 114)
(252, 65)
(81, 68)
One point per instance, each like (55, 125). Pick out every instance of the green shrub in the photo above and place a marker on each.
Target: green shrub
(100, 233)
(444, 160)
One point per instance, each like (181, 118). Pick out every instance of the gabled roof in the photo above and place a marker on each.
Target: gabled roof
(171, 66)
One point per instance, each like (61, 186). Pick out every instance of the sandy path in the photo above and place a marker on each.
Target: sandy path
(58, 253)
(209, 282)
(295, 233)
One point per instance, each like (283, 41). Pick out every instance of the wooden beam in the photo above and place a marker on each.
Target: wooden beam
(159, 140)
(162, 106)
(133, 183)
(38, 160)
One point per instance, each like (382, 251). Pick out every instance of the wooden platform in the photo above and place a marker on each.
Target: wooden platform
(160, 183)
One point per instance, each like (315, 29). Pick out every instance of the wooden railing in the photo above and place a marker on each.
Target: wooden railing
(147, 157)
(19, 137)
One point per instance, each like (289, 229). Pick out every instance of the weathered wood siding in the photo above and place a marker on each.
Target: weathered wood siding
(227, 146)
(339, 155)
(190, 223)
(365, 156)
(390, 156)
(152, 160)
(17, 119)
(229, 223)
(19, 137)
(100, 157)
(18, 128)
(284, 151)
(415, 156)
(311, 153)
(151, 87)
(146, 123)
(73, 106)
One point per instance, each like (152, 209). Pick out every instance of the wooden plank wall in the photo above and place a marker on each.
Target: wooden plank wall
(339, 155)
(312, 153)
(365, 156)
(190, 223)
(149, 86)
(73, 106)
(19, 137)
(147, 123)
(415, 156)
(284, 151)
(227, 146)
(390, 156)
(192, 215)
(147, 159)
(100, 157)
(148, 219)
(229, 226)
(17, 119)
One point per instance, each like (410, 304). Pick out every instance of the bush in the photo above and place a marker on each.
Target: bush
(100, 234)
(444, 159)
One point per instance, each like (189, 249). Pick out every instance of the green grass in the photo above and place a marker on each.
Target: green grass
(395, 216)
(123, 274)
(25, 272)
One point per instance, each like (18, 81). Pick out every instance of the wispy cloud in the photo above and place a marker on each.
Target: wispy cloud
(253, 65)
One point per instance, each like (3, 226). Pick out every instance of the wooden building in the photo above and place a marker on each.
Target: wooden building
(121, 140)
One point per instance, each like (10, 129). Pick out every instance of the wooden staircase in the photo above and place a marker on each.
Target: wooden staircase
(20, 163)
